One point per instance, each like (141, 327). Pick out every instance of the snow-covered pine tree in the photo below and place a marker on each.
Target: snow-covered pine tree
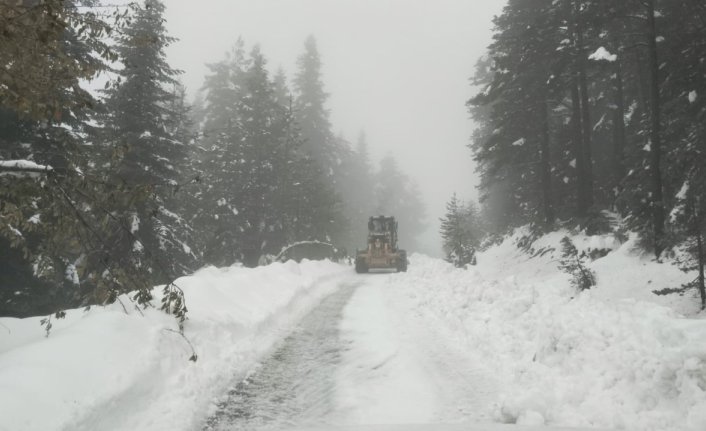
(44, 119)
(515, 151)
(356, 190)
(305, 200)
(574, 263)
(460, 232)
(310, 109)
(263, 155)
(220, 133)
(146, 159)
(283, 95)
(689, 216)
(331, 154)
(395, 194)
(180, 204)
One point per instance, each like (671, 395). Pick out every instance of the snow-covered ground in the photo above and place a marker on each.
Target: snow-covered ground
(107, 370)
(508, 340)
(616, 357)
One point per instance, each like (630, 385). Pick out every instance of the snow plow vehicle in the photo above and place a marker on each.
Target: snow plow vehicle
(382, 251)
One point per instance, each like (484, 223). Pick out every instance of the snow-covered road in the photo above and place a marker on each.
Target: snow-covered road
(363, 356)
(311, 345)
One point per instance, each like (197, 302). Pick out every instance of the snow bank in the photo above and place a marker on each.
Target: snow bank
(616, 356)
(94, 361)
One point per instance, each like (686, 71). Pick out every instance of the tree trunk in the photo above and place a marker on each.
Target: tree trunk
(693, 205)
(251, 257)
(581, 199)
(546, 179)
(585, 116)
(618, 131)
(656, 143)
(700, 251)
(580, 116)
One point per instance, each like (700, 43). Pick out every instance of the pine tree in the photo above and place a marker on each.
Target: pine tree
(142, 127)
(519, 80)
(358, 188)
(331, 154)
(460, 233)
(220, 157)
(574, 263)
(47, 51)
(262, 151)
(689, 214)
(309, 207)
(396, 195)
(310, 108)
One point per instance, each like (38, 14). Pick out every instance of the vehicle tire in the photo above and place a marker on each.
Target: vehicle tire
(360, 266)
(402, 262)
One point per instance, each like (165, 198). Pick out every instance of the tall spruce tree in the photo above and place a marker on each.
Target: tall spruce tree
(358, 191)
(142, 129)
(331, 154)
(220, 131)
(397, 195)
(310, 108)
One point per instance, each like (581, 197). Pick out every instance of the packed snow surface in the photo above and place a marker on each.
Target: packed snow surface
(506, 341)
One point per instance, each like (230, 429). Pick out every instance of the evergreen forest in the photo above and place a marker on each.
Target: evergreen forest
(113, 180)
(592, 114)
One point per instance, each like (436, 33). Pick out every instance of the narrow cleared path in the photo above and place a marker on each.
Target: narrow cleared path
(295, 384)
(362, 356)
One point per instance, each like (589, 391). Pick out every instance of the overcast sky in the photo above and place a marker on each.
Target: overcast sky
(397, 69)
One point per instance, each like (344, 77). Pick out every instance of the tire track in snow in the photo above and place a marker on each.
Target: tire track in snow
(295, 384)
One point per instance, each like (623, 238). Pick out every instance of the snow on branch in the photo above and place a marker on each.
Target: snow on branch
(22, 166)
(603, 54)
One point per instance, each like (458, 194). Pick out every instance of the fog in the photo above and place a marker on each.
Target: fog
(397, 69)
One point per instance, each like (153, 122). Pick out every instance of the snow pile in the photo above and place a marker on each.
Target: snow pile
(603, 54)
(97, 360)
(616, 356)
(692, 96)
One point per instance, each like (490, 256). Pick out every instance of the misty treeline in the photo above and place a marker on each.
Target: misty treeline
(117, 190)
(587, 107)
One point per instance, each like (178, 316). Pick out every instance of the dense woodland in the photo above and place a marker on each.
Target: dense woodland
(104, 192)
(591, 111)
